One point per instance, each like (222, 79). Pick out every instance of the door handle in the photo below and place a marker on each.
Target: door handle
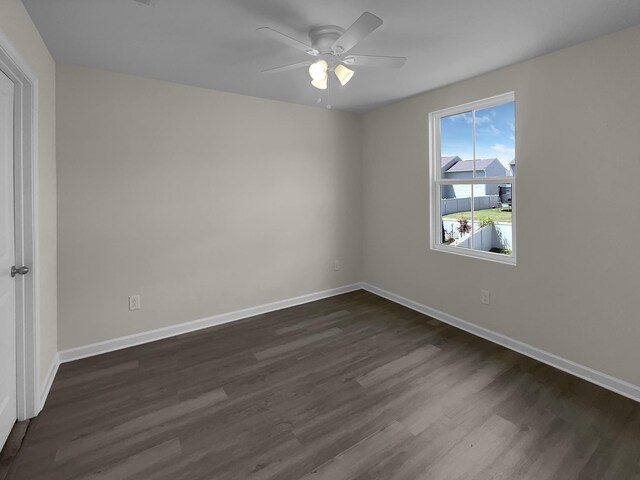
(19, 270)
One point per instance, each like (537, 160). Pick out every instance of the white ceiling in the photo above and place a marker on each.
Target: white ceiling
(214, 43)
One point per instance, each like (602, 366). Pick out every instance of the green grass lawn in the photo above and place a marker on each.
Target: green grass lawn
(497, 214)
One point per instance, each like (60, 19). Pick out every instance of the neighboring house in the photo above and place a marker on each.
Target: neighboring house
(445, 164)
(485, 167)
(512, 164)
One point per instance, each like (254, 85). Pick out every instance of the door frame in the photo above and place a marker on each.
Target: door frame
(25, 154)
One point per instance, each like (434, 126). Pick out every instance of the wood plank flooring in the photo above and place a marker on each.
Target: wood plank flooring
(350, 387)
(12, 447)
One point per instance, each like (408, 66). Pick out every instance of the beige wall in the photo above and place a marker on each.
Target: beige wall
(202, 202)
(17, 26)
(183, 195)
(574, 290)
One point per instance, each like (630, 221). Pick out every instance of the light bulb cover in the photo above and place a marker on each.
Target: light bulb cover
(318, 70)
(344, 74)
(320, 84)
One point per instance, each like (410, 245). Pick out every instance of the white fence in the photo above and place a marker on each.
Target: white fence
(455, 205)
(498, 235)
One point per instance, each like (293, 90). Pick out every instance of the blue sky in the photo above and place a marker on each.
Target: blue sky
(495, 134)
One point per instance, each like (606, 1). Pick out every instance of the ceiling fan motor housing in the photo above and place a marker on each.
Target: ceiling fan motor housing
(323, 37)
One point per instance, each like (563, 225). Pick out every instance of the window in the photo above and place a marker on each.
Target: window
(473, 179)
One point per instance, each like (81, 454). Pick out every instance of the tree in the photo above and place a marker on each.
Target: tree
(464, 226)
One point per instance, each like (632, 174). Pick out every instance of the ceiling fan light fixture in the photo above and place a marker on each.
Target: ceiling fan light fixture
(330, 45)
(320, 84)
(344, 74)
(318, 70)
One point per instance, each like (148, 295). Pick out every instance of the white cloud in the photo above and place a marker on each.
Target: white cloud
(483, 120)
(461, 116)
(503, 149)
(490, 129)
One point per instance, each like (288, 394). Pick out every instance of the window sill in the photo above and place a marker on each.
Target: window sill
(479, 254)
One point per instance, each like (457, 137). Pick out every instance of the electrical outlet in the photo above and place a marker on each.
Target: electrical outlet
(134, 302)
(485, 297)
(336, 265)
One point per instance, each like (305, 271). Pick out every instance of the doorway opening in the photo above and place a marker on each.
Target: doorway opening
(25, 84)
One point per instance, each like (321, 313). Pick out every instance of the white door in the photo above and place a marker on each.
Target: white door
(8, 411)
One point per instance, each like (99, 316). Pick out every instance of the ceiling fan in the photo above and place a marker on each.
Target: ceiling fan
(330, 45)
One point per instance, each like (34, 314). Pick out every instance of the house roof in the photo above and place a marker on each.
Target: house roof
(467, 165)
(513, 162)
(447, 160)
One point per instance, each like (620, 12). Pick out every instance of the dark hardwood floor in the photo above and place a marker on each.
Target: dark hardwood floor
(351, 387)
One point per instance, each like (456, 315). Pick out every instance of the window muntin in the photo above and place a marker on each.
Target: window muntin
(473, 179)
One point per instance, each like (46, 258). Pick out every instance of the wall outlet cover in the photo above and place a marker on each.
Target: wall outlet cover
(134, 302)
(485, 297)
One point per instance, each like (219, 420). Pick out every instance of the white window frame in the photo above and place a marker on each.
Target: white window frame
(436, 180)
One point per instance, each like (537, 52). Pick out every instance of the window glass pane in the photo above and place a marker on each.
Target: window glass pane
(492, 226)
(473, 146)
(455, 215)
(495, 141)
(456, 145)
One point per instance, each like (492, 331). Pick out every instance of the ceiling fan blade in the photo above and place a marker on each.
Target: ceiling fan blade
(375, 61)
(362, 27)
(284, 68)
(287, 40)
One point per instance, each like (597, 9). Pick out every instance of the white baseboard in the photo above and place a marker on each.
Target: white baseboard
(48, 381)
(602, 379)
(173, 330)
(606, 381)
